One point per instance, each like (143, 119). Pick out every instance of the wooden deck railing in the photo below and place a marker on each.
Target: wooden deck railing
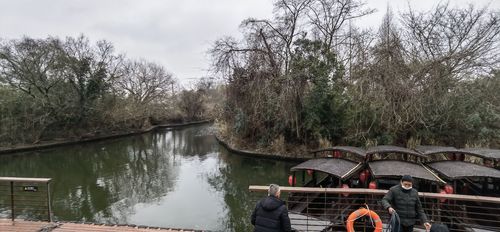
(29, 197)
(327, 209)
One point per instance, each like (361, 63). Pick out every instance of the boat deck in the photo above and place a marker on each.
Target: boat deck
(302, 222)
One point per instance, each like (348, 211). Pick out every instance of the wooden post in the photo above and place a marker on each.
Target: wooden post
(303, 178)
(314, 178)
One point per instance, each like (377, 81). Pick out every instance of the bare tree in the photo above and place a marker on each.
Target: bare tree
(329, 16)
(31, 66)
(88, 70)
(145, 82)
(285, 28)
(462, 40)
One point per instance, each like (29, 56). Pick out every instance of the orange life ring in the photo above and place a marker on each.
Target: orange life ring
(363, 212)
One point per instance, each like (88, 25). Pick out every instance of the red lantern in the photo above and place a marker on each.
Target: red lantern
(345, 186)
(372, 185)
(362, 177)
(448, 189)
(290, 179)
(337, 154)
(310, 172)
(367, 174)
(442, 191)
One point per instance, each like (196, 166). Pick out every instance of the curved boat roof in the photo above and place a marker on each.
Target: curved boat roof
(354, 150)
(433, 150)
(395, 168)
(392, 149)
(340, 168)
(482, 152)
(459, 169)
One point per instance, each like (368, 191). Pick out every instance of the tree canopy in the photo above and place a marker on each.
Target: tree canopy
(309, 76)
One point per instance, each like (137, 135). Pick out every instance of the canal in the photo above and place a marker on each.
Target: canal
(168, 178)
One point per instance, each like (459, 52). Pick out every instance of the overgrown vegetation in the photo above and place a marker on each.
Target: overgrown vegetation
(310, 77)
(52, 88)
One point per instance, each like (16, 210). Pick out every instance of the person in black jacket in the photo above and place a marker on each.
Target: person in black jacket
(271, 214)
(403, 199)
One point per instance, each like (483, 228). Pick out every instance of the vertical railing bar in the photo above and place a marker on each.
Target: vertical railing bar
(325, 208)
(451, 212)
(12, 200)
(307, 211)
(49, 208)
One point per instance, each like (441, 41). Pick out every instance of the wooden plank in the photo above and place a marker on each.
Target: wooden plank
(75, 227)
(255, 188)
(495, 200)
(6, 225)
(25, 180)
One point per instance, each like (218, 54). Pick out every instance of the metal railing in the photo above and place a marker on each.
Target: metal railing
(327, 209)
(25, 197)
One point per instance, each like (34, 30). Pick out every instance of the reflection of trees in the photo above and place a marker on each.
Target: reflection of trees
(189, 141)
(102, 181)
(234, 179)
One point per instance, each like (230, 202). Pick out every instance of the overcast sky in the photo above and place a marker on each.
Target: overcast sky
(174, 33)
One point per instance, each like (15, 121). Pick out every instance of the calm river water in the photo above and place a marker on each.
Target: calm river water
(169, 178)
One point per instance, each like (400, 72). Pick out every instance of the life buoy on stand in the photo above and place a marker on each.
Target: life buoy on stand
(360, 213)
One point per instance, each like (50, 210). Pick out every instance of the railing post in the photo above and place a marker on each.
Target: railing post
(12, 200)
(49, 208)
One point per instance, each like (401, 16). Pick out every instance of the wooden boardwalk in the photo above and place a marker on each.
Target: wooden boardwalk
(32, 226)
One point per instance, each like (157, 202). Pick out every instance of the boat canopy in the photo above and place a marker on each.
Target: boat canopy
(360, 152)
(433, 150)
(340, 168)
(459, 169)
(482, 152)
(395, 168)
(392, 149)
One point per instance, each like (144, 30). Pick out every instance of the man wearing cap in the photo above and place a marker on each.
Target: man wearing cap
(403, 199)
(271, 214)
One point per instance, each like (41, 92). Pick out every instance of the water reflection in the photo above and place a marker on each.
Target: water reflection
(233, 180)
(170, 178)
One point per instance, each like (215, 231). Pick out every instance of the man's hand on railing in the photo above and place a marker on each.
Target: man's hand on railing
(391, 210)
(427, 226)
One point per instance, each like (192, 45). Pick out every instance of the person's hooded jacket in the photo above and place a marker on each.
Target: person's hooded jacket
(271, 215)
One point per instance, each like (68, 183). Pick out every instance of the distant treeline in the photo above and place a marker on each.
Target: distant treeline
(309, 76)
(52, 88)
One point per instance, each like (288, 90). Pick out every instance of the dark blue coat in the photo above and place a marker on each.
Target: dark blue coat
(271, 215)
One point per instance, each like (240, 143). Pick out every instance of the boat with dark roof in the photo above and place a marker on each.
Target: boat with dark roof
(435, 169)
(468, 171)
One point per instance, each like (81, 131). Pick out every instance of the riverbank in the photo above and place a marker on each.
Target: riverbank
(58, 143)
(262, 155)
